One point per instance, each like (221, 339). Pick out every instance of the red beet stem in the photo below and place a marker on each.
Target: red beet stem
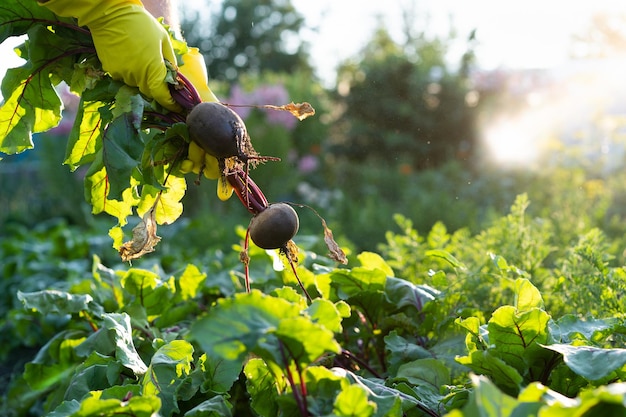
(247, 191)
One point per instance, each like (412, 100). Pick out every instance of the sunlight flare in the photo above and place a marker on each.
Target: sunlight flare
(512, 142)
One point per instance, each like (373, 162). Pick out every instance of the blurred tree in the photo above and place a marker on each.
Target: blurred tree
(248, 36)
(403, 105)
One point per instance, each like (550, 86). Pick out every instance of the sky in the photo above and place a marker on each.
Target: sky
(530, 33)
(520, 34)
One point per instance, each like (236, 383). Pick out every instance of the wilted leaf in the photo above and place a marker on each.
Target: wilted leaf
(244, 257)
(300, 110)
(336, 253)
(144, 238)
(291, 251)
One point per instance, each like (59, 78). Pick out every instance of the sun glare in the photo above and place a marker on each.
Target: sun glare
(573, 111)
(511, 142)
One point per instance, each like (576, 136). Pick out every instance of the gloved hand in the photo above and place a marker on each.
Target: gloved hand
(131, 44)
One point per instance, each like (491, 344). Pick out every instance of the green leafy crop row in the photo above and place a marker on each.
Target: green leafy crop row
(449, 325)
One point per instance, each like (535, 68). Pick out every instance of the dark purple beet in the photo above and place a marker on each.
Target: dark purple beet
(274, 227)
(218, 130)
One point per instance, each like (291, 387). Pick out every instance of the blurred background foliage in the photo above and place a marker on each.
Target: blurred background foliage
(400, 131)
(248, 37)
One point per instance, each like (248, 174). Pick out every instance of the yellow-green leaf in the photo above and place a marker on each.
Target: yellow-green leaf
(352, 401)
(32, 106)
(97, 191)
(86, 135)
(168, 207)
(527, 296)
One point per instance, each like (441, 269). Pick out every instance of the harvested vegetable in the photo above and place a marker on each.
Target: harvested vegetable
(219, 131)
(274, 227)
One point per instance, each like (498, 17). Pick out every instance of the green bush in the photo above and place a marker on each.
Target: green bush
(404, 104)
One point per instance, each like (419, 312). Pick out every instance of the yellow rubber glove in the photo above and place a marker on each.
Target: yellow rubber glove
(194, 69)
(131, 44)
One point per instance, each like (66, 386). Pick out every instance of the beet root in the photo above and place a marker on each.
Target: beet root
(218, 130)
(273, 227)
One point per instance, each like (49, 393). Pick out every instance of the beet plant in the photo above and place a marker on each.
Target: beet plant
(136, 151)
